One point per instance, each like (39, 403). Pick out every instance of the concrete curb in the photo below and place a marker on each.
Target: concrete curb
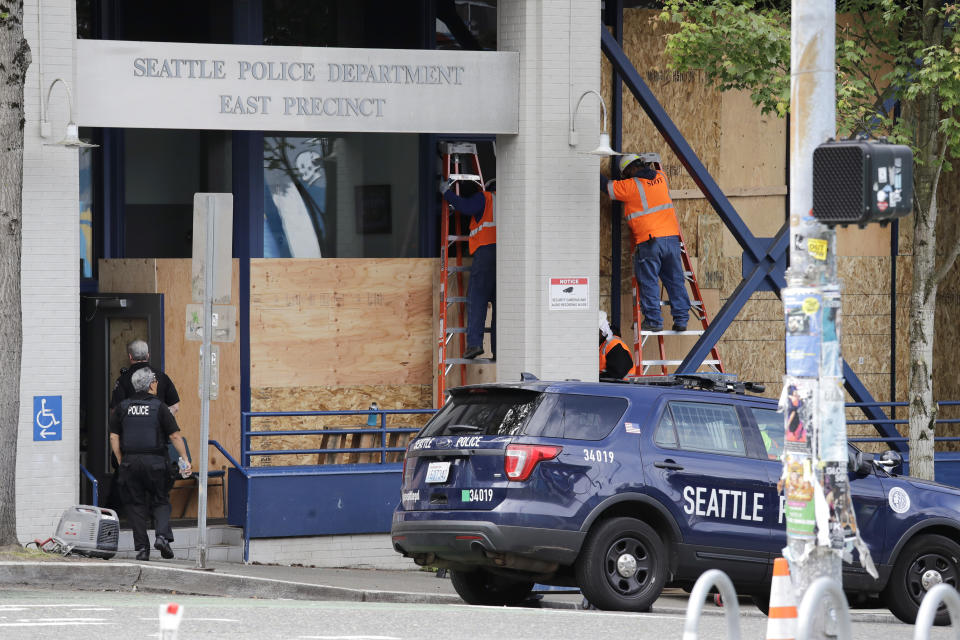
(129, 576)
(120, 576)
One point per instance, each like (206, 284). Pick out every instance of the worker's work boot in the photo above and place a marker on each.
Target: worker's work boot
(650, 325)
(472, 352)
(678, 326)
(164, 547)
(143, 554)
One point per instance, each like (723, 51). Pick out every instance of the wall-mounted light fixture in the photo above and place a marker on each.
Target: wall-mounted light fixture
(72, 138)
(603, 148)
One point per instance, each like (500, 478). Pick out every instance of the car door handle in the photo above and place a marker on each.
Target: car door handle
(668, 464)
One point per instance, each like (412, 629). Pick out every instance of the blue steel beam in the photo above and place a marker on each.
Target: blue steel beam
(765, 268)
(765, 260)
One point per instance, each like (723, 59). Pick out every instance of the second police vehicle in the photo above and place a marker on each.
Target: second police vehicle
(623, 489)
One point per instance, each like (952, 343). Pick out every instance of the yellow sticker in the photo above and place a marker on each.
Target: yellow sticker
(817, 248)
(810, 305)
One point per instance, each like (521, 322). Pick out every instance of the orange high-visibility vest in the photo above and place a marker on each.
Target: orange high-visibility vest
(646, 206)
(605, 349)
(484, 232)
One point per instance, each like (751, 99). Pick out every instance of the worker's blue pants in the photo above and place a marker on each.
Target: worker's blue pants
(655, 260)
(481, 290)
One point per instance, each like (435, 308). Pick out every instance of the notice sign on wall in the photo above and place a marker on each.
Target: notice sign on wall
(569, 293)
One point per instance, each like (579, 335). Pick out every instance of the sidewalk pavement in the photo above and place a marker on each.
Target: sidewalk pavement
(302, 583)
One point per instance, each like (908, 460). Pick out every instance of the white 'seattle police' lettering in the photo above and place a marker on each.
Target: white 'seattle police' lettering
(138, 410)
(723, 503)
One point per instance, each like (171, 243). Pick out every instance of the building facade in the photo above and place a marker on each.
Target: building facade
(322, 120)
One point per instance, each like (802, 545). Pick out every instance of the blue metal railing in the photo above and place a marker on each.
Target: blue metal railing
(946, 463)
(247, 435)
(894, 422)
(93, 483)
(381, 430)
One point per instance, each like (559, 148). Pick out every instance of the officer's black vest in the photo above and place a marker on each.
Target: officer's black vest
(142, 433)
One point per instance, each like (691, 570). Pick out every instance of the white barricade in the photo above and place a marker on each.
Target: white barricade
(814, 595)
(928, 611)
(731, 607)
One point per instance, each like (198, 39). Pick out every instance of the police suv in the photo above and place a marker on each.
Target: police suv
(623, 489)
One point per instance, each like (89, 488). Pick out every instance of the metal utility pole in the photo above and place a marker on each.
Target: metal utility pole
(821, 526)
(211, 283)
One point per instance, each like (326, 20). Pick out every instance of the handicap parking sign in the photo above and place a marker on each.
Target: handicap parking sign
(47, 418)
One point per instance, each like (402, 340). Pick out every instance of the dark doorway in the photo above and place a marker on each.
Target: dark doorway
(108, 322)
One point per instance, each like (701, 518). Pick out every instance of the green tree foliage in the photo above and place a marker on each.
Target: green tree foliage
(904, 52)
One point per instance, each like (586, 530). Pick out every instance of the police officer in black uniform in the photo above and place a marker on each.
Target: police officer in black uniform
(139, 354)
(139, 428)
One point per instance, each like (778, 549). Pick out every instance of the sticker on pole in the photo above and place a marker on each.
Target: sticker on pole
(569, 293)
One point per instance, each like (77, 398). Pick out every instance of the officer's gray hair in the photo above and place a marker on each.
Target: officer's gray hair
(142, 379)
(139, 351)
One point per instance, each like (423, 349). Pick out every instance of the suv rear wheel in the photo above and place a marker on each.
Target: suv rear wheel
(482, 587)
(622, 565)
(926, 561)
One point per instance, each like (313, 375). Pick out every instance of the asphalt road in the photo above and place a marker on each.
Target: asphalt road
(41, 614)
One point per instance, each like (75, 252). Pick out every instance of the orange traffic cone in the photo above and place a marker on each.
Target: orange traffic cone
(782, 619)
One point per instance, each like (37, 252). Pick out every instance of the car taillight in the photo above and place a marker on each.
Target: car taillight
(403, 474)
(520, 459)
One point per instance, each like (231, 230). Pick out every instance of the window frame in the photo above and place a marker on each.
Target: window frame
(744, 429)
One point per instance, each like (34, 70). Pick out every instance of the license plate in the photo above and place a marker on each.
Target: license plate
(438, 471)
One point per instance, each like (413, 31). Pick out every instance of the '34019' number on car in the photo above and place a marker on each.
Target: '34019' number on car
(598, 455)
(476, 495)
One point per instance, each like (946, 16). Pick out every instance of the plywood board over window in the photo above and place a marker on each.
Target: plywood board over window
(340, 321)
(337, 334)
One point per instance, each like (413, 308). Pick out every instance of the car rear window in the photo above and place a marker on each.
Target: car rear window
(498, 412)
(491, 412)
(576, 417)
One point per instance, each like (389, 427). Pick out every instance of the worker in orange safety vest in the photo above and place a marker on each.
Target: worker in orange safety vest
(615, 359)
(482, 287)
(650, 215)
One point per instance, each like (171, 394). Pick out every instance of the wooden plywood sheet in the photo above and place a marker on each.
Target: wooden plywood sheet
(643, 42)
(128, 275)
(872, 240)
(763, 215)
(341, 322)
(182, 364)
(864, 274)
(753, 146)
(710, 244)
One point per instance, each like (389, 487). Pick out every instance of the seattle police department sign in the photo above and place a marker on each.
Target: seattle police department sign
(165, 85)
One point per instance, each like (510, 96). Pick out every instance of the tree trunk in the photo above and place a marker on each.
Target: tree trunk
(923, 411)
(14, 60)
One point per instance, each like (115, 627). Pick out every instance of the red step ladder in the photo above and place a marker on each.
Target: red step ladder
(461, 162)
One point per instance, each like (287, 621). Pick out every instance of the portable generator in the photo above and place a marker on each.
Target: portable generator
(89, 531)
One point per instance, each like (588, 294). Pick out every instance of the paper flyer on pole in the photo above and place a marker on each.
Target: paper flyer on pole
(803, 307)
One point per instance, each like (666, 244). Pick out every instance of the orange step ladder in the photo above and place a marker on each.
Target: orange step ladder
(461, 162)
(697, 311)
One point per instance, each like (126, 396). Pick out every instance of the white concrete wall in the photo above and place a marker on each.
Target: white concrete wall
(548, 221)
(47, 472)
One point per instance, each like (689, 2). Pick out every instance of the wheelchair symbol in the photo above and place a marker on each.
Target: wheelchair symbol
(46, 418)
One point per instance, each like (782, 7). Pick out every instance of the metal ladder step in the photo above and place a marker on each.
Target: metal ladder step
(666, 332)
(673, 362)
(453, 361)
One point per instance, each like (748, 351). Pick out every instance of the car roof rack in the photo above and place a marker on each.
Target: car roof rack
(725, 382)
